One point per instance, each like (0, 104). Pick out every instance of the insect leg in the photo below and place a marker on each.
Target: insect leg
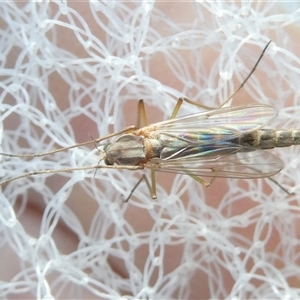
(197, 104)
(152, 187)
(180, 101)
(278, 184)
(198, 179)
(177, 107)
(141, 117)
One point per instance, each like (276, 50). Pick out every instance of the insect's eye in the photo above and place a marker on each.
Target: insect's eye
(107, 162)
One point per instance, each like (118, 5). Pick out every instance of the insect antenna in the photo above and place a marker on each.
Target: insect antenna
(99, 150)
(70, 169)
(98, 140)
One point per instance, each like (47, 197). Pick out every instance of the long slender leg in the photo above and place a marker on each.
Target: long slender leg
(197, 178)
(177, 107)
(152, 187)
(197, 104)
(141, 118)
(278, 184)
(183, 99)
(200, 180)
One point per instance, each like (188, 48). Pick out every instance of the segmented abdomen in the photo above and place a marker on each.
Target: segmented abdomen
(270, 138)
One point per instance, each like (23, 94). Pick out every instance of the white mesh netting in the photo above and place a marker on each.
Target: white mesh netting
(74, 70)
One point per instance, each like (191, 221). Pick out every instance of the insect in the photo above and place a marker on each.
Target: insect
(225, 142)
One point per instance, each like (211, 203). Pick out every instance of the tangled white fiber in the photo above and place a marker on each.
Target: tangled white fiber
(71, 70)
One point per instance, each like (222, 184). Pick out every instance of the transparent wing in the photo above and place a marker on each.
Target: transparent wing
(239, 118)
(253, 164)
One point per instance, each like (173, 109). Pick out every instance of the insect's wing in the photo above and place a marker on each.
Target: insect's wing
(253, 164)
(240, 118)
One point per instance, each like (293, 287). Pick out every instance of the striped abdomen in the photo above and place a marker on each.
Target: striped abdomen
(270, 138)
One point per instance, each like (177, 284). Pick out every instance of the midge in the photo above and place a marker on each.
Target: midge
(224, 142)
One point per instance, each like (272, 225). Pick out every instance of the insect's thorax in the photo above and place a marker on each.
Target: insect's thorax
(131, 150)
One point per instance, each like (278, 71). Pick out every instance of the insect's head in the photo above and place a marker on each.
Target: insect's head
(106, 160)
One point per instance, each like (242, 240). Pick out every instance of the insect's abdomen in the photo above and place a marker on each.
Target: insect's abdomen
(269, 138)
